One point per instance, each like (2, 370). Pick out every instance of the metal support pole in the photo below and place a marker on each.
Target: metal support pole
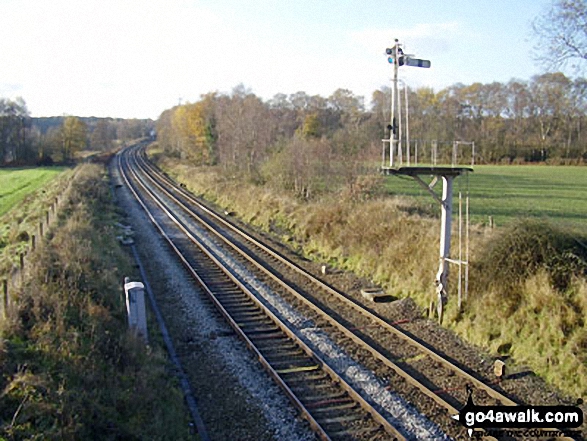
(467, 229)
(393, 141)
(473, 154)
(392, 134)
(400, 135)
(455, 146)
(407, 124)
(460, 292)
(445, 236)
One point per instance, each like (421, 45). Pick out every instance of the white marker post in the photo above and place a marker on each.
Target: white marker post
(135, 308)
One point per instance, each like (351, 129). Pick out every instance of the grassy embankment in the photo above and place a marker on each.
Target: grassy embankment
(69, 368)
(528, 296)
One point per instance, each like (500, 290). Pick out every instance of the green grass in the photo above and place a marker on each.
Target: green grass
(557, 193)
(68, 367)
(540, 309)
(17, 183)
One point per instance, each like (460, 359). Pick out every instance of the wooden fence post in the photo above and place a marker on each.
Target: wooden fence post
(5, 297)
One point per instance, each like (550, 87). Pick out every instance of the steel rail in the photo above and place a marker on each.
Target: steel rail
(337, 324)
(342, 328)
(152, 170)
(306, 414)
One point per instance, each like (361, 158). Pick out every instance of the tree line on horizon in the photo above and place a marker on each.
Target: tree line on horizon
(540, 120)
(291, 137)
(25, 140)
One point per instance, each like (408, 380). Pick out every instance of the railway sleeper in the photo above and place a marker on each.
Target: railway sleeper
(240, 308)
(275, 337)
(314, 384)
(228, 294)
(291, 362)
(280, 354)
(253, 322)
(224, 286)
(269, 345)
(357, 433)
(319, 376)
(342, 419)
(323, 399)
(336, 408)
(249, 318)
(261, 330)
(297, 369)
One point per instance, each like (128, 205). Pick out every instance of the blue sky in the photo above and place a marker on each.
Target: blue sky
(136, 58)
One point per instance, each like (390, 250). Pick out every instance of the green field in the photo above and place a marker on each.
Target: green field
(557, 193)
(17, 183)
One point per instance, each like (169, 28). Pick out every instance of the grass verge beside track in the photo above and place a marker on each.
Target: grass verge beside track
(536, 318)
(68, 367)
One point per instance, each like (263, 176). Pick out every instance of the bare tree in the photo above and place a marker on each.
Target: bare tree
(14, 118)
(562, 33)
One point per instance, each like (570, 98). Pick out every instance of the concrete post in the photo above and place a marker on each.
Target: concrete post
(135, 308)
(445, 236)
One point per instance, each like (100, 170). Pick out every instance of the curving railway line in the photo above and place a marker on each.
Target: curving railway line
(335, 406)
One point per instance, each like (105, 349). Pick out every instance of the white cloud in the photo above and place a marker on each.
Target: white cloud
(108, 57)
(135, 58)
(429, 37)
(438, 42)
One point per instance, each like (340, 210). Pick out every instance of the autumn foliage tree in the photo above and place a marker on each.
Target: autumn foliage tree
(188, 131)
(194, 131)
(73, 137)
(308, 144)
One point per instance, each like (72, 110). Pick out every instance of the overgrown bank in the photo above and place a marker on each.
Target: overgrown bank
(529, 305)
(69, 369)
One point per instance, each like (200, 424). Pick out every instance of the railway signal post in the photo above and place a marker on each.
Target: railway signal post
(446, 175)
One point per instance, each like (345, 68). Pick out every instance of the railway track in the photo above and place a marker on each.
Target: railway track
(411, 366)
(333, 409)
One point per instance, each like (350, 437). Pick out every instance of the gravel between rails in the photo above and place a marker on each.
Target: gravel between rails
(521, 383)
(524, 385)
(236, 398)
(401, 414)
